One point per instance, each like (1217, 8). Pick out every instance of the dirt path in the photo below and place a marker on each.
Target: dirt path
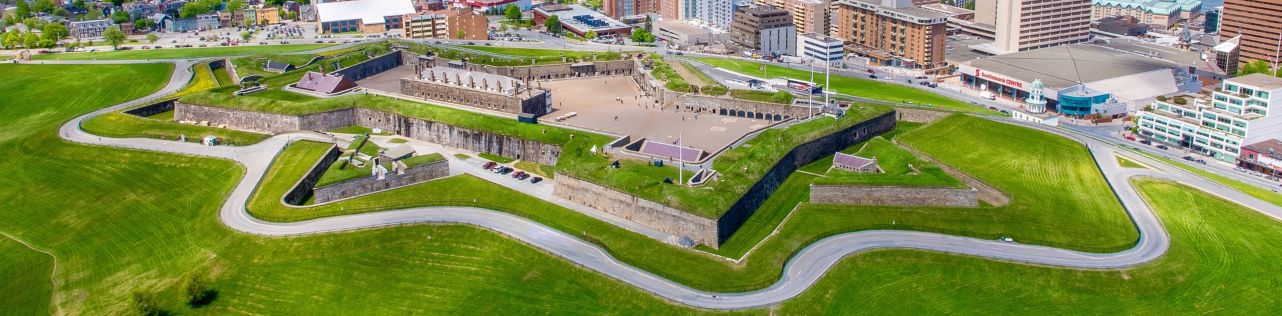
(686, 74)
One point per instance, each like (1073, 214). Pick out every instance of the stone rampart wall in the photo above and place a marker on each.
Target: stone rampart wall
(920, 115)
(440, 133)
(371, 67)
(370, 184)
(733, 107)
(799, 156)
(893, 196)
(152, 109)
(560, 71)
(459, 137)
(302, 189)
(987, 193)
(499, 102)
(645, 212)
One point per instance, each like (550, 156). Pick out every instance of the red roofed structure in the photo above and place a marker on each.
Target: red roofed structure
(322, 83)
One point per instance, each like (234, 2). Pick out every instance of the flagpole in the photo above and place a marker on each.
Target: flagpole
(810, 102)
(681, 153)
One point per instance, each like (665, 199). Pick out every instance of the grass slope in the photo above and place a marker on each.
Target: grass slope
(176, 53)
(898, 168)
(161, 223)
(1219, 255)
(872, 89)
(1052, 181)
(1252, 190)
(26, 286)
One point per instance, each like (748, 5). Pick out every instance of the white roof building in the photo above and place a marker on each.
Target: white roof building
(368, 11)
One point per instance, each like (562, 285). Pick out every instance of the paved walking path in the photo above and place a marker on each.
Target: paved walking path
(803, 270)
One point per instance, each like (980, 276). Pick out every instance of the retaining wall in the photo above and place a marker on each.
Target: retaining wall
(987, 193)
(732, 107)
(445, 134)
(371, 67)
(893, 196)
(153, 109)
(559, 71)
(370, 184)
(919, 115)
(302, 189)
(645, 212)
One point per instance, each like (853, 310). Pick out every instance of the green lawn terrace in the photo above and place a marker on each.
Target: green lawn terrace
(182, 53)
(858, 87)
(252, 65)
(898, 168)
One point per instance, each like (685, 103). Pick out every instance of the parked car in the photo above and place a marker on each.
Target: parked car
(536, 180)
(490, 165)
(518, 174)
(1146, 142)
(1189, 158)
(524, 176)
(1162, 147)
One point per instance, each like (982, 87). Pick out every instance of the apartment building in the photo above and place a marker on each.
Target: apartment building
(809, 16)
(1020, 25)
(892, 32)
(1161, 13)
(766, 30)
(1260, 24)
(1236, 114)
(621, 8)
(454, 23)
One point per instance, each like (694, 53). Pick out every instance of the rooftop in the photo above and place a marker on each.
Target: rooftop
(852, 161)
(460, 77)
(1261, 81)
(368, 11)
(318, 82)
(1067, 65)
(581, 18)
(680, 27)
(1271, 147)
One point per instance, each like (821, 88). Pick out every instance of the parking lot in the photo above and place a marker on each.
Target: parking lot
(615, 104)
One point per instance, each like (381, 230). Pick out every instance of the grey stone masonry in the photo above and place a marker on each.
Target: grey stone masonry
(560, 71)
(458, 137)
(370, 184)
(440, 133)
(893, 196)
(732, 107)
(919, 115)
(302, 189)
(642, 211)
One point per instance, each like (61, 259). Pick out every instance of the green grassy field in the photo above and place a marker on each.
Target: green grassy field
(1252, 190)
(1052, 181)
(898, 168)
(26, 285)
(161, 223)
(1218, 254)
(872, 89)
(177, 53)
(1128, 163)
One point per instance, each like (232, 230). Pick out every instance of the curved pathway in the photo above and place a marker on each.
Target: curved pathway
(803, 270)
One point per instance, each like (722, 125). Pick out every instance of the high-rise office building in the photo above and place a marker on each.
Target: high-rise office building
(1021, 25)
(621, 8)
(1260, 24)
(809, 16)
(765, 30)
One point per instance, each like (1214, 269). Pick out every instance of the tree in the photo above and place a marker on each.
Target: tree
(512, 13)
(969, 5)
(503, 28)
(117, 2)
(79, 4)
(145, 303)
(649, 25)
(30, 40)
(460, 34)
(245, 35)
(143, 24)
(55, 32)
(196, 289)
(152, 38)
(1257, 67)
(113, 36)
(11, 39)
(45, 6)
(33, 23)
(642, 36)
(120, 17)
(595, 4)
(553, 24)
(590, 35)
(23, 9)
(235, 5)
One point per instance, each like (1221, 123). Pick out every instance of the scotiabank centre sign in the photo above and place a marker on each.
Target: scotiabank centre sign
(991, 77)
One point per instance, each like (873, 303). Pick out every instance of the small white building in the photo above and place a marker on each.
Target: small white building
(854, 163)
(814, 46)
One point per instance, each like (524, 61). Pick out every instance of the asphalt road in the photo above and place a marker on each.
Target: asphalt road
(802, 271)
